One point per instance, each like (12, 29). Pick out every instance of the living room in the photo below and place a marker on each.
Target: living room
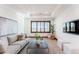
(42, 27)
(16, 21)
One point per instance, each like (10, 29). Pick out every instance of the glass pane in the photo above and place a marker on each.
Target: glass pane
(64, 27)
(38, 28)
(46, 26)
(42, 26)
(73, 27)
(67, 26)
(34, 26)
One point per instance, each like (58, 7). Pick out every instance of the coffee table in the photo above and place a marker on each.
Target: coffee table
(43, 46)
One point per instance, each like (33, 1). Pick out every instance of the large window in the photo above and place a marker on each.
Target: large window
(40, 26)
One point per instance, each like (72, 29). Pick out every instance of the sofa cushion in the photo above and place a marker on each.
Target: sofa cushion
(29, 39)
(3, 44)
(13, 49)
(25, 35)
(20, 37)
(22, 43)
(12, 39)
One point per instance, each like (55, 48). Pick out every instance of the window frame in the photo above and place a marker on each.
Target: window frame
(40, 27)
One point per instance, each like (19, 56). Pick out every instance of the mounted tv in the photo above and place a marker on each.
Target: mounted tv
(71, 27)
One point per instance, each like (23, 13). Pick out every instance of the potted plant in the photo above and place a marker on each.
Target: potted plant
(52, 28)
(52, 36)
(37, 36)
(37, 39)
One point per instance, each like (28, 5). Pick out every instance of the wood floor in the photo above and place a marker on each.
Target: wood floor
(53, 48)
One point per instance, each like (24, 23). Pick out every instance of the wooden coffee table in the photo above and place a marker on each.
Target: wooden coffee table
(43, 45)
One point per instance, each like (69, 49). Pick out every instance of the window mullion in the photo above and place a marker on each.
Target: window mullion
(36, 26)
(44, 26)
(40, 26)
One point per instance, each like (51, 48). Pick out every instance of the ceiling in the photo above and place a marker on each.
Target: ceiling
(34, 7)
(39, 9)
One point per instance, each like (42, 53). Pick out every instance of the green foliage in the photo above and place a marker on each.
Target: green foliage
(52, 28)
(37, 36)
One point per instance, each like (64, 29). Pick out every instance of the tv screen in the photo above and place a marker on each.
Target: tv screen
(72, 27)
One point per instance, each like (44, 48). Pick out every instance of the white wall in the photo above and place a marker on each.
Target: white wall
(69, 14)
(8, 12)
(20, 18)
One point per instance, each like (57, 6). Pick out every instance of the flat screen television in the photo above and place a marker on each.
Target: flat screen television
(71, 27)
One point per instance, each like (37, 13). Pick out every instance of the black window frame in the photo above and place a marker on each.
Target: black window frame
(40, 29)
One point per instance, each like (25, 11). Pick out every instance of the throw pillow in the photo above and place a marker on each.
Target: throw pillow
(12, 39)
(20, 37)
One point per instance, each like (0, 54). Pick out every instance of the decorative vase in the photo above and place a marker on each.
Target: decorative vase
(37, 45)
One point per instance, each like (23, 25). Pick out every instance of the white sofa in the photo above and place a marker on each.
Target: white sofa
(71, 48)
(10, 45)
